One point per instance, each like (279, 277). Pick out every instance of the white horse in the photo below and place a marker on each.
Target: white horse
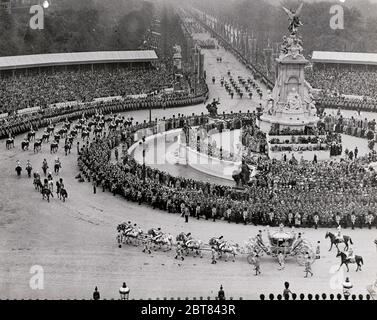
(50, 184)
(133, 235)
(372, 290)
(189, 244)
(165, 240)
(225, 247)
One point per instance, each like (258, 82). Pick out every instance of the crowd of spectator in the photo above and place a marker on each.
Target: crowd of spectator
(335, 101)
(354, 126)
(343, 80)
(18, 124)
(343, 87)
(284, 191)
(44, 89)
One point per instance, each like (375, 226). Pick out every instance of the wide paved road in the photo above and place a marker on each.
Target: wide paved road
(75, 244)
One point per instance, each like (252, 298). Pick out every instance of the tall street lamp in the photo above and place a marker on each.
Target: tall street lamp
(142, 143)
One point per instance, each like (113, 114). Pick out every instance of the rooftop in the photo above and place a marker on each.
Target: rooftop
(75, 58)
(344, 57)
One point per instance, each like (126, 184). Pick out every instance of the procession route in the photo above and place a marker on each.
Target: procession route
(75, 242)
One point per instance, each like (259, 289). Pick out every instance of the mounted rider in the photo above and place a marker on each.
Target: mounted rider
(220, 242)
(44, 166)
(29, 168)
(187, 238)
(157, 234)
(353, 220)
(127, 228)
(350, 254)
(297, 242)
(339, 235)
(259, 240)
(57, 165)
(18, 168)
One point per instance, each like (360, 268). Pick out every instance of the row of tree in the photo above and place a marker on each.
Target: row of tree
(268, 22)
(77, 25)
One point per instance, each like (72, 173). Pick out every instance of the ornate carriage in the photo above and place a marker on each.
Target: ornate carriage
(286, 242)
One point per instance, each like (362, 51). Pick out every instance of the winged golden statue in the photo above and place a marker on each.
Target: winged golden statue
(294, 18)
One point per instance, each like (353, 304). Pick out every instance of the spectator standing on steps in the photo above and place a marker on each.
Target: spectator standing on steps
(187, 214)
(96, 295)
(347, 286)
(221, 294)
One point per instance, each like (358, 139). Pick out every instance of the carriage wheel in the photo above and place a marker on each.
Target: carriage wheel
(300, 257)
(250, 258)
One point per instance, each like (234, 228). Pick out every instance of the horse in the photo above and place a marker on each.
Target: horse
(25, 145)
(37, 146)
(63, 194)
(57, 137)
(46, 193)
(67, 125)
(62, 132)
(73, 133)
(85, 134)
(50, 129)
(54, 147)
(38, 184)
(91, 124)
(67, 148)
(18, 170)
(57, 167)
(133, 235)
(190, 244)
(31, 135)
(70, 139)
(97, 130)
(45, 137)
(224, 247)
(28, 170)
(164, 240)
(101, 124)
(346, 260)
(112, 126)
(9, 143)
(335, 241)
(78, 127)
(51, 185)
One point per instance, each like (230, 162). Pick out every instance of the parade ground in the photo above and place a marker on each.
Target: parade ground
(75, 241)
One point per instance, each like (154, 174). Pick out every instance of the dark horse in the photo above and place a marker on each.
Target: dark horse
(63, 194)
(46, 193)
(37, 146)
(9, 143)
(335, 241)
(31, 135)
(345, 260)
(38, 184)
(54, 147)
(25, 145)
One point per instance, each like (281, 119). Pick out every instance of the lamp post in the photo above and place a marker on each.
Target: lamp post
(142, 143)
(124, 292)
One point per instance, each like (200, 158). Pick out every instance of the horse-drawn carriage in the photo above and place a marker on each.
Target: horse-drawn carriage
(280, 241)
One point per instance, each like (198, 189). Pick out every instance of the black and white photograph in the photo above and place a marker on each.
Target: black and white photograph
(196, 150)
